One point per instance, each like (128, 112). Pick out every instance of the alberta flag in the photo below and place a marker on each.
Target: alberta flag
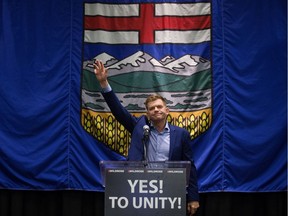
(148, 47)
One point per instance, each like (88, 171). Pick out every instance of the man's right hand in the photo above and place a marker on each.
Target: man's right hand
(101, 73)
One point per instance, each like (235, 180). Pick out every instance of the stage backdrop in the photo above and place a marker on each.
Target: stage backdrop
(226, 59)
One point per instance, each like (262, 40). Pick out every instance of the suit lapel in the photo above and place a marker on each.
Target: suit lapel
(172, 141)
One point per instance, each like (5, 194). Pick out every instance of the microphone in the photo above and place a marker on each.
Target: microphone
(146, 131)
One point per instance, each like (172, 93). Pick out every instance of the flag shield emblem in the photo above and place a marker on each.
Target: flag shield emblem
(148, 48)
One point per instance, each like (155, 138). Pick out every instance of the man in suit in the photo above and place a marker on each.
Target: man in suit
(166, 142)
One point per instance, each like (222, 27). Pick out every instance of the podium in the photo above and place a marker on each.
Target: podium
(145, 188)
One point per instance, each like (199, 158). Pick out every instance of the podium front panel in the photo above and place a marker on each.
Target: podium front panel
(145, 192)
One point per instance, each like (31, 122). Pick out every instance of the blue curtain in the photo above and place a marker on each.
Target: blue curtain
(43, 145)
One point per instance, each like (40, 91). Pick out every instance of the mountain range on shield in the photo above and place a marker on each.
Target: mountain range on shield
(186, 65)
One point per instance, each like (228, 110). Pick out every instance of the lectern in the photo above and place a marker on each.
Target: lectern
(140, 188)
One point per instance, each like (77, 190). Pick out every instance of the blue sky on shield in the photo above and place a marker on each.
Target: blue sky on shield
(157, 51)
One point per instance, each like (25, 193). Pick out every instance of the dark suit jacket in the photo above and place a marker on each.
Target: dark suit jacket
(180, 141)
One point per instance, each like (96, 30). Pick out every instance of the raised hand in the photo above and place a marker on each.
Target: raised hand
(101, 73)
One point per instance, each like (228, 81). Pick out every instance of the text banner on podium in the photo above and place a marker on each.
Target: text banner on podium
(145, 191)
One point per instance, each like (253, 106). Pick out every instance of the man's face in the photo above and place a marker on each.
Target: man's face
(157, 111)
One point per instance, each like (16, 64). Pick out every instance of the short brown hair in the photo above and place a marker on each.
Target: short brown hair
(154, 97)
